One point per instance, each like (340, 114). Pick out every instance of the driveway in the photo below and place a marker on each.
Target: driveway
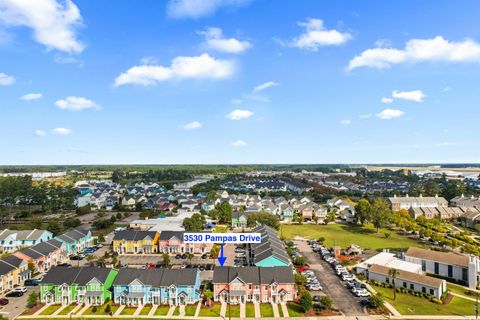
(343, 299)
(16, 306)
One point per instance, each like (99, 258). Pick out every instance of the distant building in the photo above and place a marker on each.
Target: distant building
(400, 203)
(458, 267)
(439, 212)
(270, 252)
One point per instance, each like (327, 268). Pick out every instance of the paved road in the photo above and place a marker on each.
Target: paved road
(332, 285)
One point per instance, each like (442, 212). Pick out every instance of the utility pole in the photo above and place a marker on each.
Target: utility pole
(476, 307)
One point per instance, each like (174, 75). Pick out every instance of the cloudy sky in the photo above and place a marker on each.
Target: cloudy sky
(239, 81)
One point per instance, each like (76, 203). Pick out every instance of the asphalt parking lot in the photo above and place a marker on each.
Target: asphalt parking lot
(343, 299)
(16, 306)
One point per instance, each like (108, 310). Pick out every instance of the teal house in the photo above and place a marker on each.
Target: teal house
(76, 240)
(239, 219)
(270, 252)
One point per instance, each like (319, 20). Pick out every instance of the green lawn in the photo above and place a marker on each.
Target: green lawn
(146, 310)
(50, 309)
(176, 312)
(266, 310)
(214, 311)
(345, 234)
(67, 309)
(128, 311)
(190, 310)
(280, 311)
(249, 310)
(234, 311)
(221, 229)
(407, 304)
(294, 310)
(162, 310)
(461, 290)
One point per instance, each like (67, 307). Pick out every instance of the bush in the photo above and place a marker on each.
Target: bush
(326, 302)
(94, 309)
(435, 300)
(108, 308)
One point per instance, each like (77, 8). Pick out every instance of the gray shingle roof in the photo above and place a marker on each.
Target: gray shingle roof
(80, 276)
(133, 235)
(253, 275)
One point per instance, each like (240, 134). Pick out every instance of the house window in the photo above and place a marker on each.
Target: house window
(266, 287)
(412, 287)
(424, 290)
(465, 274)
(432, 292)
(250, 286)
(450, 271)
(436, 267)
(387, 280)
(424, 265)
(404, 284)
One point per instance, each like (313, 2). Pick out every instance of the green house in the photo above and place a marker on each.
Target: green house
(239, 219)
(80, 285)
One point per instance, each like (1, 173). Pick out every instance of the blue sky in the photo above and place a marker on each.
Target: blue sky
(236, 81)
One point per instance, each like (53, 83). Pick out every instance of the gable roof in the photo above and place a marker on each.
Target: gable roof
(253, 275)
(408, 276)
(73, 235)
(442, 257)
(134, 235)
(23, 235)
(167, 235)
(79, 276)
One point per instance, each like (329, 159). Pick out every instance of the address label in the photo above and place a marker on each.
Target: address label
(200, 237)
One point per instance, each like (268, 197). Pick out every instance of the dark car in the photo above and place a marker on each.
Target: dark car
(184, 256)
(31, 282)
(209, 267)
(201, 267)
(14, 294)
(178, 256)
(3, 302)
(204, 256)
(64, 265)
(78, 258)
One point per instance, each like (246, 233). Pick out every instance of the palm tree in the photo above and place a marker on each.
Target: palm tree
(393, 273)
(91, 258)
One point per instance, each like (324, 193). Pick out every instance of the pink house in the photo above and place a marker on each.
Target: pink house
(254, 284)
(44, 255)
(172, 242)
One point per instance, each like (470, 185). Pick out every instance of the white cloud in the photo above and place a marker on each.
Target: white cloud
(199, 8)
(239, 114)
(265, 85)
(53, 22)
(6, 80)
(215, 40)
(62, 131)
(199, 67)
(40, 133)
(414, 95)
(31, 96)
(73, 103)
(388, 114)
(346, 122)
(419, 50)
(239, 143)
(387, 100)
(317, 36)
(192, 125)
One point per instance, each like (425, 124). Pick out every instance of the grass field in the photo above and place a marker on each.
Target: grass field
(266, 310)
(50, 309)
(146, 310)
(294, 310)
(407, 304)
(128, 311)
(234, 311)
(162, 310)
(460, 290)
(67, 309)
(345, 234)
(176, 312)
(214, 311)
(190, 310)
(249, 310)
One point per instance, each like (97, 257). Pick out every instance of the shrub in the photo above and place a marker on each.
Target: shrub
(435, 300)
(94, 309)
(108, 308)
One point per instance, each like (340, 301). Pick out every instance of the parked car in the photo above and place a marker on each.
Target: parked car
(204, 256)
(303, 268)
(89, 251)
(20, 289)
(348, 277)
(64, 265)
(360, 292)
(31, 282)
(76, 258)
(3, 301)
(178, 256)
(14, 294)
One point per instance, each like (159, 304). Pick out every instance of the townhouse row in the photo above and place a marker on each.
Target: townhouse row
(15, 269)
(134, 287)
(152, 242)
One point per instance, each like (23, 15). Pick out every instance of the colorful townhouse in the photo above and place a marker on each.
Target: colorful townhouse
(77, 285)
(76, 240)
(239, 219)
(270, 252)
(172, 242)
(253, 284)
(44, 255)
(13, 271)
(134, 287)
(13, 240)
(135, 241)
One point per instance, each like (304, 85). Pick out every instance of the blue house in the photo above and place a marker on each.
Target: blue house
(134, 287)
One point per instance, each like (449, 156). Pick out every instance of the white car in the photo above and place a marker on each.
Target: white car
(316, 288)
(20, 289)
(360, 292)
(348, 277)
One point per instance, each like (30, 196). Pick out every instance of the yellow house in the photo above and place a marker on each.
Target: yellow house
(135, 241)
(13, 271)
